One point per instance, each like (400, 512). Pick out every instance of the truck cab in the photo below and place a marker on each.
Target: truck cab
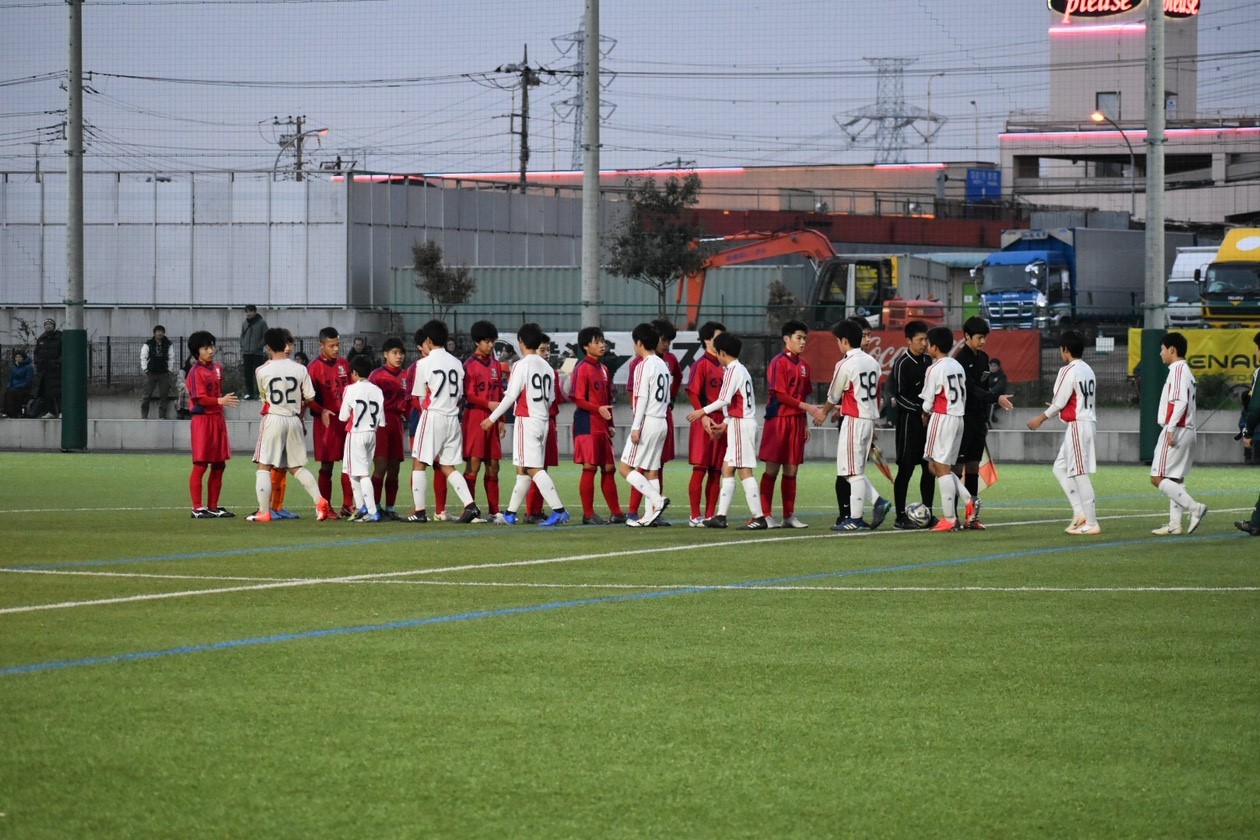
(1231, 284)
(1025, 289)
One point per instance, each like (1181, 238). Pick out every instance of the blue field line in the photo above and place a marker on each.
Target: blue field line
(559, 605)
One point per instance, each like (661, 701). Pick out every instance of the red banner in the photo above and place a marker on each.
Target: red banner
(1019, 350)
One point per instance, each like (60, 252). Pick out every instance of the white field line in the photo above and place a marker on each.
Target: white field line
(741, 587)
(544, 561)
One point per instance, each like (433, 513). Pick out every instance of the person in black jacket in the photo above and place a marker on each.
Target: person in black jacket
(905, 381)
(156, 363)
(48, 369)
(980, 397)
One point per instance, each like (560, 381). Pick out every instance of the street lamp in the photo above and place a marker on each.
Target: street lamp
(295, 140)
(976, 109)
(931, 131)
(1099, 117)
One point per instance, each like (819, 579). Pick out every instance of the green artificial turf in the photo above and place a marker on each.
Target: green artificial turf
(480, 681)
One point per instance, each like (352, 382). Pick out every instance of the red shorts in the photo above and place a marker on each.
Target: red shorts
(330, 440)
(667, 453)
(478, 443)
(551, 454)
(783, 440)
(593, 449)
(705, 451)
(389, 439)
(209, 438)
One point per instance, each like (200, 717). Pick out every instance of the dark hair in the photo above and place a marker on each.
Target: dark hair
(792, 327)
(861, 322)
(483, 331)
(942, 338)
(531, 335)
(1071, 341)
(711, 328)
(434, 331)
(249, 307)
(914, 328)
(277, 338)
(1256, 338)
(1176, 341)
(664, 329)
(585, 337)
(301, 358)
(199, 339)
(17, 353)
(361, 365)
(975, 325)
(646, 335)
(328, 332)
(392, 344)
(729, 344)
(159, 327)
(848, 330)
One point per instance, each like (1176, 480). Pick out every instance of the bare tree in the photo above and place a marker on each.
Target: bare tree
(446, 287)
(655, 245)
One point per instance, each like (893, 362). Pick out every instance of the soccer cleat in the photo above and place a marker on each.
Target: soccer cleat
(1169, 530)
(757, 523)
(348, 512)
(850, 524)
(501, 519)
(619, 519)
(771, 522)
(391, 515)
(222, 513)
(793, 522)
(661, 523)
(1246, 527)
(202, 513)
(418, 516)
(947, 525)
(323, 511)
(471, 514)
(532, 518)
(654, 511)
(931, 523)
(260, 516)
(902, 523)
(509, 518)
(717, 521)
(882, 506)
(634, 523)
(1196, 516)
(594, 519)
(368, 517)
(441, 516)
(285, 514)
(973, 525)
(1086, 530)
(973, 514)
(696, 522)
(558, 517)
(1077, 521)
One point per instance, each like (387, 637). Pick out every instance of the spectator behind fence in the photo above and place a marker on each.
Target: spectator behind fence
(48, 370)
(182, 408)
(252, 353)
(18, 390)
(155, 364)
(361, 348)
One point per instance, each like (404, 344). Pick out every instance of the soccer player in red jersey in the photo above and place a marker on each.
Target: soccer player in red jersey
(667, 334)
(483, 390)
(591, 393)
(330, 374)
(389, 437)
(706, 446)
(210, 447)
(788, 386)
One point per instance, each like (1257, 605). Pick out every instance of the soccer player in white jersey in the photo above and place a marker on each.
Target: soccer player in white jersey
(944, 398)
(1174, 451)
(531, 390)
(1073, 403)
(855, 389)
(437, 390)
(363, 412)
(650, 397)
(285, 388)
(740, 405)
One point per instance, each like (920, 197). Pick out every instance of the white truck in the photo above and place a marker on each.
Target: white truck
(1184, 293)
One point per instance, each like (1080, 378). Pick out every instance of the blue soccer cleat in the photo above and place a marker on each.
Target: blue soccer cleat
(558, 517)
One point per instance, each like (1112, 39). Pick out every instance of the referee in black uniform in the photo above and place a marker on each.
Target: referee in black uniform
(905, 382)
(980, 399)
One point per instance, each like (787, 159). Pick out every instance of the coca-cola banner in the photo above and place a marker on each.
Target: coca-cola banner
(1019, 350)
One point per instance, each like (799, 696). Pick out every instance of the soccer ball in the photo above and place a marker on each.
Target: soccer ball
(919, 514)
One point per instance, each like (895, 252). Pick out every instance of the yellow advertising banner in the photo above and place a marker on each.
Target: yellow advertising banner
(1230, 353)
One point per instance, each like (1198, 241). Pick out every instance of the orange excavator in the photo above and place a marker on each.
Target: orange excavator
(843, 285)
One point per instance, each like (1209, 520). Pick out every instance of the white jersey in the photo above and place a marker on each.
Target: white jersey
(1074, 391)
(1176, 401)
(855, 385)
(736, 396)
(439, 383)
(945, 388)
(649, 394)
(362, 407)
(531, 389)
(285, 386)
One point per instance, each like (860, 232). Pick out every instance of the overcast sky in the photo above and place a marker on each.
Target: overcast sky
(410, 85)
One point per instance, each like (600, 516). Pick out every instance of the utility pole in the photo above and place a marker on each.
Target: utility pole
(296, 139)
(529, 77)
(74, 336)
(591, 245)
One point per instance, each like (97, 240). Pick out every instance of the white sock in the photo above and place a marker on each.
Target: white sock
(1068, 483)
(752, 495)
(357, 489)
(640, 482)
(419, 488)
(949, 496)
(369, 493)
(1176, 492)
(518, 492)
(1085, 490)
(860, 492)
(548, 489)
(961, 491)
(309, 484)
(455, 481)
(262, 489)
(726, 496)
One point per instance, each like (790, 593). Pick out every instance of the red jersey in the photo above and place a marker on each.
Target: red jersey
(483, 384)
(788, 383)
(391, 382)
(330, 378)
(205, 386)
(705, 382)
(591, 388)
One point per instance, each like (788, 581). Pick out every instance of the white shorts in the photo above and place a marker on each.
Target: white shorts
(529, 442)
(1174, 461)
(358, 453)
(741, 443)
(854, 445)
(646, 454)
(439, 439)
(1076, 455)
(944, 437)
(281, 442)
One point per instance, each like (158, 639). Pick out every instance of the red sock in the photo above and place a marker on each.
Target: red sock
(325, 480)
(194, 483)
(378, 484)
(586, 489)
(492, 493)
(279, 480)
(609, 484)
(439, 489)
(695, 490)
(347, 493)
(711, 492)
(216, 483)
(533, 501)
(391, 489)
(635, 498)
(767, 493)
(789, 495)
